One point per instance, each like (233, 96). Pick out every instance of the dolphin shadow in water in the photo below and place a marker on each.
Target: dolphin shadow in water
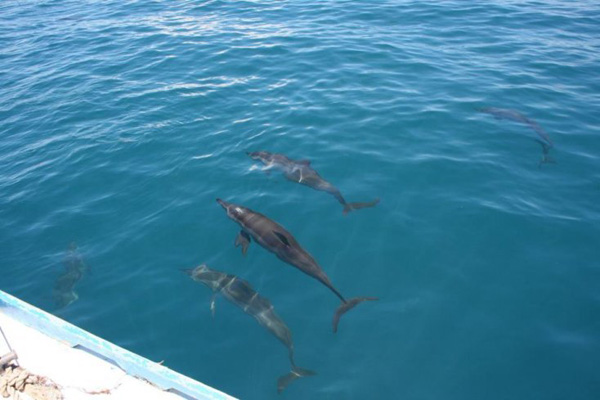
(273, 237)
(301, 172)
(240, 293)
(64, 287)
(543, 138)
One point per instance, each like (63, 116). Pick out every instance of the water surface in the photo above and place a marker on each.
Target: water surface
(121, 122)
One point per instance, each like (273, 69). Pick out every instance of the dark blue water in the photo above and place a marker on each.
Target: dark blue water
(121, 122)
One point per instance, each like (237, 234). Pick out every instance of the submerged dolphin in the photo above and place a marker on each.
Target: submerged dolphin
(273, 237)
(64, 288)
(512, 115)
(300, 171)
(240, 293)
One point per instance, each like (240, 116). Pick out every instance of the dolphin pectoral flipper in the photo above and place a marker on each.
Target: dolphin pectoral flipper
(347, 306)
(282, 238)
(213, 300)
(294, 374)
(243, 239)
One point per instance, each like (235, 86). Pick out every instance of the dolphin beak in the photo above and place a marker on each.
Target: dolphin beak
(223, 203)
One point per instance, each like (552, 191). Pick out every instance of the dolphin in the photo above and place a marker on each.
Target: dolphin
(273, 237)
(240, 293)
(301, 172)
(64, 287)
(512, 115)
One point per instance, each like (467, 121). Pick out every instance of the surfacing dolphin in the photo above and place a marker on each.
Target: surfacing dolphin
(301, 172)
(543, 139)
(273, 237)
(240, 293)
(64, 287)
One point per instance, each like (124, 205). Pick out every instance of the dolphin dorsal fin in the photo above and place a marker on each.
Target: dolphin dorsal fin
(303, 162)
(282, 237)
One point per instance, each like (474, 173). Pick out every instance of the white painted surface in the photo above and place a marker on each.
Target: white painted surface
(81, 376)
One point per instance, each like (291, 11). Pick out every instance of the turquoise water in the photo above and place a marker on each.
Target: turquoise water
(121, 122)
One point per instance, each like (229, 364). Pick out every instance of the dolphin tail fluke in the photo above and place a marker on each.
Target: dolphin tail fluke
(357, 206)
(347, 306)
(546, 160)
(294, 374)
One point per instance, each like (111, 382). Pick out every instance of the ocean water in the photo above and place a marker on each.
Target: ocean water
(121, 122)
